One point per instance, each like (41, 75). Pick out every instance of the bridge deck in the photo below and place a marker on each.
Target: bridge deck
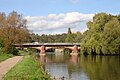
(45, 44)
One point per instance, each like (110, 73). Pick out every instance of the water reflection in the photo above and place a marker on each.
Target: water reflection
(42, 59)
(82, 67)
(74, 59)
(101, 67)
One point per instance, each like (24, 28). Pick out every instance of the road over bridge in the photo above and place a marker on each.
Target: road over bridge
(43, 46)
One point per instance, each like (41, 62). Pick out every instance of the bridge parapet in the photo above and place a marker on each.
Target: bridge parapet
(45, 44)
(42, 46)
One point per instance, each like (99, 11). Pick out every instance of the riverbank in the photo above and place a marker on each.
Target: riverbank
(28, 69)
(5, 56)
(8, 64)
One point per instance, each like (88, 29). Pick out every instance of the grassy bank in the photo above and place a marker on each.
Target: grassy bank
(5, 56)
(28, 69)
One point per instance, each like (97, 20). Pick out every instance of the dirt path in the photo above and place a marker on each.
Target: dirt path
(6, 65)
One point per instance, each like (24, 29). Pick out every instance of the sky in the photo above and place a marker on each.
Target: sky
(56, 16)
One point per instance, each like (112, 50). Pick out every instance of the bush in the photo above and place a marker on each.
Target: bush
(13, 50)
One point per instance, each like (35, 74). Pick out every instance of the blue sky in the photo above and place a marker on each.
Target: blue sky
(45, 12)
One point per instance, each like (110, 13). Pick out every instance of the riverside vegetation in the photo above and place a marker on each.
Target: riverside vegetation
(102, 36)
(13, 30)
(28, 69)
(5, 56)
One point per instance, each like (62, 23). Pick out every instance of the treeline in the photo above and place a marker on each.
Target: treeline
(48, 38)
(13, 30)
(102, 36)
(57, 38)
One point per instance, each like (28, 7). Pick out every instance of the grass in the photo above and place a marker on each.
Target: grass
(28, 69)
(5, 56)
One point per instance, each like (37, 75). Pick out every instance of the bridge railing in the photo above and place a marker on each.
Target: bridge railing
(47, 44)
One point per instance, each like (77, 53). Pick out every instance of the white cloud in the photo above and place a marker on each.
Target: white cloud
(58, 23)
(55, 16)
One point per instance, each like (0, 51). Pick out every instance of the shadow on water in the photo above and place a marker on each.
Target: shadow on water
(82, 67)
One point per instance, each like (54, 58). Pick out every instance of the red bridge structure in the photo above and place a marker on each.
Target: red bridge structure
(42, 47)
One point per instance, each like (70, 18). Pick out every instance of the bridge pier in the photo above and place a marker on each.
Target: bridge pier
(42, 50)
(74, 50)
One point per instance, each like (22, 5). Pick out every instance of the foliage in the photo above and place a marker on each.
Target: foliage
(102, 36)
(13, 30)
(73, 37)
(28, 69)
(70, 36)
(5, 56)
(48, 38)
(1, 45)
(13, 50)
(66, 51)
(56, 38)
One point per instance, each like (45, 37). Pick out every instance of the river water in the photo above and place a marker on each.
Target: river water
(65, 67)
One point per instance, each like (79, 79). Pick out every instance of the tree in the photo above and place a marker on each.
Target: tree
(69, 37)
(102, 36)
(78, 37)
(13, 30)
(111, 37)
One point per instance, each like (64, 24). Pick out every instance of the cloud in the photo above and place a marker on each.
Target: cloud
(58, 23)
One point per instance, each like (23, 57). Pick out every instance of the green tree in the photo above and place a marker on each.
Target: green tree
(78, 37)
(111, 37)
(69, 37)
(102, 36)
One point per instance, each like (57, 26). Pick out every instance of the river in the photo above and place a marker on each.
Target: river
(65, 67)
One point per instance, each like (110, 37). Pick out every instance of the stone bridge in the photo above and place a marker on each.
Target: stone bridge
(42, 47)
